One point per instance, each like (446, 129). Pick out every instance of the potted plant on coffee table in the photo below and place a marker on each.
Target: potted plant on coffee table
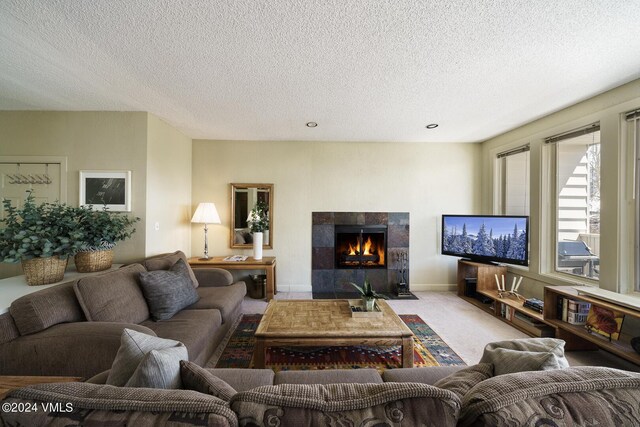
(369, 296)
(101, 231)
(41, 237)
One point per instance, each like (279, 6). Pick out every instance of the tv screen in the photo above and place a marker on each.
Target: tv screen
(489, 238)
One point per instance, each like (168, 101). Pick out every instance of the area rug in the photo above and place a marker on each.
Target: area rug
(429, 350)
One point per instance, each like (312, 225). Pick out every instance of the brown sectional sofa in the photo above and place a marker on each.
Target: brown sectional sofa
(74, 329)
(437, 396)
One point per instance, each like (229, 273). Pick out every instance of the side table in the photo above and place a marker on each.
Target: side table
(9, 382)
(268, 264)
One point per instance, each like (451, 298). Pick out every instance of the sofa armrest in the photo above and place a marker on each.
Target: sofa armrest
(213, 276)
(80, 349)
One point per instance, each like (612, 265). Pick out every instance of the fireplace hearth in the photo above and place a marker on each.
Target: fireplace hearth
(351, 247)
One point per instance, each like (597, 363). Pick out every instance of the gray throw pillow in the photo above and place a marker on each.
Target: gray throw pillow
(528, 354)
(168, 291)
(197, 378)
(159, 369)
(462, 381)
(134, 346)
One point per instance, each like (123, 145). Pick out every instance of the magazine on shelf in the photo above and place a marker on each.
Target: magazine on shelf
(236, 258)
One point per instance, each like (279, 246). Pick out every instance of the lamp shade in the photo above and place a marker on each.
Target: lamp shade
(206, 213)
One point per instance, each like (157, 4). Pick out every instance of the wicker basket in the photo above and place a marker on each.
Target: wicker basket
(42, 271)
(90, 261)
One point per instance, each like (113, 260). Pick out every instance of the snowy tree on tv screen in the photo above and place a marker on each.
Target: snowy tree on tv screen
(485, 242)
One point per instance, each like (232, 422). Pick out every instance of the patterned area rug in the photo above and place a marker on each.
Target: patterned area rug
(429, 350)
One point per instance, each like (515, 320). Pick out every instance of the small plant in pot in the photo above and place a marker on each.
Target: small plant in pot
(102, 230)
(258, 221)
(368, 295)
(41, 237)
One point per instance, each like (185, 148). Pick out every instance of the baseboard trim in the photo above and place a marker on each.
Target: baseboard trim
(294, 288)
(433, 287)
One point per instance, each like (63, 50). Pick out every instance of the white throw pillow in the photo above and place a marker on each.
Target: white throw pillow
(527, 354)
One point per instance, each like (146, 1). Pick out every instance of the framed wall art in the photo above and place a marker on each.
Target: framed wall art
(106, 188)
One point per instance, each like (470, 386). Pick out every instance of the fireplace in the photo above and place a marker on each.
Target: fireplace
(361, 246)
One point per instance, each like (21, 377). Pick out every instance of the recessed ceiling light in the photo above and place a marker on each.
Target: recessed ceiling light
(432, 126)
(312, 124)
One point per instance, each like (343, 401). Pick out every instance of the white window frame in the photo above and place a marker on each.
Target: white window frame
(548, 263)
(501, 178)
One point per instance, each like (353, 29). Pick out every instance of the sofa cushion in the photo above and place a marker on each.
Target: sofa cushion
(165, 261)
(134, 346)
(114, 296)
(102, 405)
(463, 380)
(573, 396)
(223, 298)
(346, 404)
(38, 311)
(244, 379)
(527, 354)
(159, 369)
(193, 328)
(331, 376)
(196, 378)
(168, 291)
(419, 375)
(8, 329)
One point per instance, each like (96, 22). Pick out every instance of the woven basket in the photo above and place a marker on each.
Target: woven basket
(42, 271)
(90, 261)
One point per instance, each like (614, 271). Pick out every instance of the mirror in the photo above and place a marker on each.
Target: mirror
(244, 197)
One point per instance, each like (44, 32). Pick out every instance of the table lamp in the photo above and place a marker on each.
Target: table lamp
(206, 213)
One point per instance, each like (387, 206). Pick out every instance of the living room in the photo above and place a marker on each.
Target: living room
(91, 109)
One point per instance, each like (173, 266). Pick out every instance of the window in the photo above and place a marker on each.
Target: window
(513, 169)
(577, 202)
(633, 131)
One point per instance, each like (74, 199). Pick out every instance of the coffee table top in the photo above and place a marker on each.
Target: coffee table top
(320, 318)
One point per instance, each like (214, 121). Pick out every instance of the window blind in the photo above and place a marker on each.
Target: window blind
(573, 133)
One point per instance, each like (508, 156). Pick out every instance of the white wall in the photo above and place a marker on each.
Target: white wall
(425, 180)
(168, 226)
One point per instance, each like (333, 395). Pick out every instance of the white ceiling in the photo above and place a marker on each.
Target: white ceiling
(365, 70)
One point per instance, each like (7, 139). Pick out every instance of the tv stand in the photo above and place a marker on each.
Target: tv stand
(505, 308)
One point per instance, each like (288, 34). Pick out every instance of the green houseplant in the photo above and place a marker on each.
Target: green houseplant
(41, 237)
(258, 221)
(368, 295)
(101, 231)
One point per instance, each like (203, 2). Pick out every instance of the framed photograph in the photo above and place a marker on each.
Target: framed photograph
(106, 188)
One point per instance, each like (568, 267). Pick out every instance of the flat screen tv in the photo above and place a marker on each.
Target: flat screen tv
(487, 238)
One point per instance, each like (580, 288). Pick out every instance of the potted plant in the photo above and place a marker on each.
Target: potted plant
(41, 237)
(258, 221)
(368, 295)
(101, 231)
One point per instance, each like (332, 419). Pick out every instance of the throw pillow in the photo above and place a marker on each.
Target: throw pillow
(528, 354)
(462, 381)
(197, 378)
(134, 346)
(168, 291)
(159, 369)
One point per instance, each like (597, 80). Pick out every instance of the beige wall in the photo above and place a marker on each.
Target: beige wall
(425, 180)
(158, 156)
(616, 248)
(168, 189)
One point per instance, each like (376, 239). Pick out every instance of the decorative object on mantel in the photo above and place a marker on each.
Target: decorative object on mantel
(42, 237)
(102, 229)
(368, 295)
(258, 221)
(206, 213)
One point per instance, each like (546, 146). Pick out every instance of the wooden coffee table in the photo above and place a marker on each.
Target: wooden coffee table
(318, 323)
(9, 382)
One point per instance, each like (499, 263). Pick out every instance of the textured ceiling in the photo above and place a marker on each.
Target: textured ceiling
(365, 70)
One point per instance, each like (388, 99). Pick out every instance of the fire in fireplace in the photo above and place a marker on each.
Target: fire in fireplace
(361, 246)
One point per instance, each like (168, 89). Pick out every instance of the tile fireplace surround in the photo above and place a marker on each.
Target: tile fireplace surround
(327, 279)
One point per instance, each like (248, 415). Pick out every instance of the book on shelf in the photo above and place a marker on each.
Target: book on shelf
(534, 304)
(605, 322)
(573, 311)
